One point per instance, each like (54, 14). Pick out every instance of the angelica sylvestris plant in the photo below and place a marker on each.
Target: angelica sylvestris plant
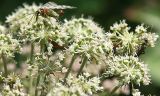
(57, 48)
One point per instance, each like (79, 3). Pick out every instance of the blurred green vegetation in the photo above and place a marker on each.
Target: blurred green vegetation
(106, 12)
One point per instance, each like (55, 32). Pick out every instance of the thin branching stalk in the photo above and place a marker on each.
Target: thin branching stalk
(31, 62)
(32, 53)
(82, 65)
(114, 90)
(37, 83)
(131, 88)
(42, 46)
(30, 83)
(43, 88)
(42, 50)
(4, 64)
(70, 66)
(44, 79)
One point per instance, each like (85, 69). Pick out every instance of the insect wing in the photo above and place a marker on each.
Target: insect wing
(64, 7)
(52, 5)
(49, 4)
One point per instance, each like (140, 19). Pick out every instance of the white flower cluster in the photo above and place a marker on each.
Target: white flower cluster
(147, 37)
(85, 37)
(8, 45)
(80, 86)
(13, 87)
(20, 20)
(128, 42)
(24, 25)
(120, 27)
(128, 69)
(136, 92)
(150, 38)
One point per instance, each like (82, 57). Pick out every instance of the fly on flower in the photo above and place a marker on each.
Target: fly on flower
(51, 9)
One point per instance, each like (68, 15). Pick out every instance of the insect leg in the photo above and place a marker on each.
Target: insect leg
(37, 14)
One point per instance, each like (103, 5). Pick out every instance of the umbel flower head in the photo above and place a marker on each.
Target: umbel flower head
(24, 26)
(12, 86)
(128, 69)
(83, 36)
(81, 86)
(136, 92)
(18, 21)
(148, 38)
(8, 45)
(130, 42)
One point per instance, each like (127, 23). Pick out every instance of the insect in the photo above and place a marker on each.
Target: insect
(51, 9)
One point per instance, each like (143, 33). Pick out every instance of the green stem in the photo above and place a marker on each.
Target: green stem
(42, 46)
(70, 67)
(30, 83)
(43, 88)
(37, 83)
(114, 90)
(131, 88)
(32, 53)
(31, 62)
(5, 64)
(82, 66)
(42, 50)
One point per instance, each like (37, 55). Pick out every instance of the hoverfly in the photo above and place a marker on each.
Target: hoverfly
(51, 9)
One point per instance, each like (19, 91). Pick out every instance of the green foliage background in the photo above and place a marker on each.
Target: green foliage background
(106, 12)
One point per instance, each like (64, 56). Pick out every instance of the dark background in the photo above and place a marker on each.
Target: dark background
(106, 12)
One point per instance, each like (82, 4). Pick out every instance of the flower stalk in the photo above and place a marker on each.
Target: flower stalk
(42, 50)
(42, 46)
(82, 66)
(32, 53)
(30, 83)
(114, 90)
(37, 83)
(31, 62)
(4, 64)
(131, 88)
(70, 67)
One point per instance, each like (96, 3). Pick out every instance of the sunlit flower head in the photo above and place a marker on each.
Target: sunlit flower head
(136, 92)
(128, 69)
(13, 86)
(120, 27)
(81, 86)
(85, 36)
(8, 45)
(27, 26)
(130, 42)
